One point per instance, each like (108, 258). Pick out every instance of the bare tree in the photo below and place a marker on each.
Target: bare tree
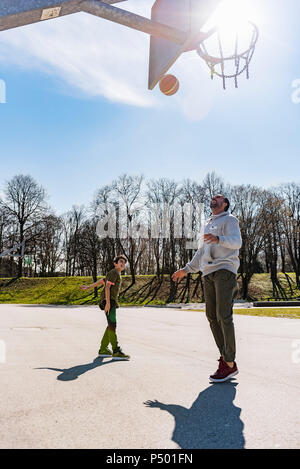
(213, 184)
(25, 203)
(290, 193)
(271, 215)
(72, 222)
(246, 201)
(100, 209)
(194, 194)
(48, 246)
(7, 240)
(90, 249)
(127, 191)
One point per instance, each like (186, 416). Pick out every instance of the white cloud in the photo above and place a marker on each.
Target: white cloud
(98, 57)
(101, 58)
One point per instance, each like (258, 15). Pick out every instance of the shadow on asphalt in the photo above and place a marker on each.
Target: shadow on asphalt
(213, 421)
(69, 374)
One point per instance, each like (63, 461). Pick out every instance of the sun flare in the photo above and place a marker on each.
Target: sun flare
(234, 20)
(234, 14)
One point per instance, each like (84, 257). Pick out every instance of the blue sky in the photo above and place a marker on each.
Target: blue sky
(79, 114)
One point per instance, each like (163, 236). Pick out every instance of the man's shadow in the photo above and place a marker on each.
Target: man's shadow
(212, 421)
(69, 374)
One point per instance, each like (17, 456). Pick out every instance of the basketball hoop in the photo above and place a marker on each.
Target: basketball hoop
(223, 64)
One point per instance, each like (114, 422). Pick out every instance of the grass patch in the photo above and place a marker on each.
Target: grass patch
(260, 286)
(65, 290)
(52, 290)
(291, 313)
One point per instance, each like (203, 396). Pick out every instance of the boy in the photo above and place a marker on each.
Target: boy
(109, 302)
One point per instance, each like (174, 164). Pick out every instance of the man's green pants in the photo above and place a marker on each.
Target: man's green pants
(220, 289)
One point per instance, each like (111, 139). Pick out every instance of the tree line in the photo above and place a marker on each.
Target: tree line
(70, 245)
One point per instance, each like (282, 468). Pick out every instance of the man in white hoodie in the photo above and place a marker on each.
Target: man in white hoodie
(218, 260)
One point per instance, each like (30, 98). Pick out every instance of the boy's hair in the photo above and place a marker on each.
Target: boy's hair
(116, 259)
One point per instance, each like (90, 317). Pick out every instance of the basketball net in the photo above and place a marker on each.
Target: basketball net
(227, 53)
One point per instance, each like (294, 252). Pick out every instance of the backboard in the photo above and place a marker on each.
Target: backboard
(185, 15)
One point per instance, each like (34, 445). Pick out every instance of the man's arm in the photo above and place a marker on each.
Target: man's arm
(232, 238)
(194, 265)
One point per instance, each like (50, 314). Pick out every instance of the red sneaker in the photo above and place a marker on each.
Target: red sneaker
(222, 363)
(224, 372)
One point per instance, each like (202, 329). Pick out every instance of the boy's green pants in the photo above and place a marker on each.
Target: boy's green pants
(110, 335)
(220, 289)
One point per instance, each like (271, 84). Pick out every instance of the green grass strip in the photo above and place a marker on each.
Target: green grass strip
(292, 313)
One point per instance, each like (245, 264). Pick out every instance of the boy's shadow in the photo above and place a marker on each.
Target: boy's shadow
(212, 421)
(69, 374)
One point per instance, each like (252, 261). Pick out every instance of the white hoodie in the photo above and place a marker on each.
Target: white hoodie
(225, 254)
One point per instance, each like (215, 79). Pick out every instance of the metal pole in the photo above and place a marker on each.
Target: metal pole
(15, 13)
(133, 21)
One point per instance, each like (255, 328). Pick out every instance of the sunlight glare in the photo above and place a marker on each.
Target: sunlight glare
(233, 18)
(233, 14)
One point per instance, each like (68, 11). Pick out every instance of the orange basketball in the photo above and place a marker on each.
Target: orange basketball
(169, 85)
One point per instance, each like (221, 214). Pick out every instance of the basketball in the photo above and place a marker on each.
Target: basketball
(169, 85)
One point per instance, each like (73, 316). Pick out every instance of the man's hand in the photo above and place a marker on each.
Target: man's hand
(107, 308)
(178, 275)
(84, 287)
(210, 239)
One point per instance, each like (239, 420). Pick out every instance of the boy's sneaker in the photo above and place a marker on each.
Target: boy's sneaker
(224, 372)
(105, 353)
(120, 355)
